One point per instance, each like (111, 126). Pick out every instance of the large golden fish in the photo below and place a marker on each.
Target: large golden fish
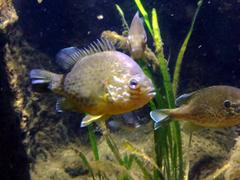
(101, 82)
(211, 107)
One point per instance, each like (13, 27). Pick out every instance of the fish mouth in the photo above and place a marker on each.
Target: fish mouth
(151, 92)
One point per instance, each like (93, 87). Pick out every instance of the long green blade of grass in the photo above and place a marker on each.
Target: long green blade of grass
(170, 160)
(93, 141)
(121, 13)
(183, 49)
(114, 149)
(128, 160)
(147, 175)
(162, 61)
(86, 163)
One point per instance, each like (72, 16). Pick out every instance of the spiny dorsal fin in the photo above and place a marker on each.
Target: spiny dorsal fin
(183, 99)
(67, 57)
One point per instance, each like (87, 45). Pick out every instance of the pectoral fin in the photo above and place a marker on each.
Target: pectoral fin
(88, 119)
(158, 116)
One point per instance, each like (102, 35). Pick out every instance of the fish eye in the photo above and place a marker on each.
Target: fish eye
(227, 104)
(133, 84)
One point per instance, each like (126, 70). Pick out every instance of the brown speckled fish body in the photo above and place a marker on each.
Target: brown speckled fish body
(206, 107)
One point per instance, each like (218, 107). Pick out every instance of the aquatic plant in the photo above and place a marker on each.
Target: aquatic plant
(124, 161)
(167, 139)
(168, 147)
(124, 22)
(183, 49)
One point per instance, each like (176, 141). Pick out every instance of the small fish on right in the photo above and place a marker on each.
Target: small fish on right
(137, 37)
(210, 107)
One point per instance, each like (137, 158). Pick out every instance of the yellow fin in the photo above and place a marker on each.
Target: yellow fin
(88, 119)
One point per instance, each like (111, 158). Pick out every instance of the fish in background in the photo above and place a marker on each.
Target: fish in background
(137, 38)
(131, 120)
(125, 121)
(100, 81)
(211, 107)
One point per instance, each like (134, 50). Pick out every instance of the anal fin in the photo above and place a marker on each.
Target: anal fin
(88, 119)
(63, 104)
(183, 99)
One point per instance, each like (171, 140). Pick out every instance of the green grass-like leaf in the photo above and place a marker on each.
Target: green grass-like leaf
(124, 22)
(119, 9)
(183, 49)
(146, 173)
(93, 141)
(128, 160)
(162, 61)
(170, 148)
(114, 149)
(86, 163)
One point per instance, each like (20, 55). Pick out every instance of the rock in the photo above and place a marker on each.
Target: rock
(8, 14)
(233, 172)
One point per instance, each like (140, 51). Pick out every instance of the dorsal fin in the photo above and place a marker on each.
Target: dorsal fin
(67, 57)
(183, 99)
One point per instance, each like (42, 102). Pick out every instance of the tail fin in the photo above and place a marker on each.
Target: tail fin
(158, 116)
(41, 80)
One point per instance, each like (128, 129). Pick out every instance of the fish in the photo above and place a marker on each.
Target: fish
(99, 81)
(137, 38)
(210, 107)
(128, 121)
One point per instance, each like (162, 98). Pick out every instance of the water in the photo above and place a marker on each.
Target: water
(38, 143)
